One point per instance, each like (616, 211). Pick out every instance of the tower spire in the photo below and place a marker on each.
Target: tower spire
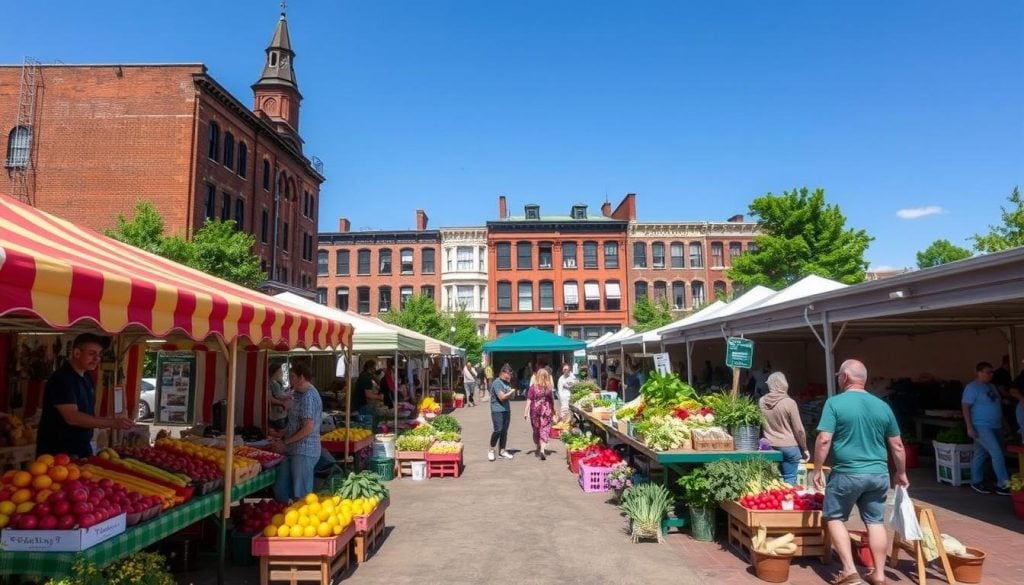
(277, 91)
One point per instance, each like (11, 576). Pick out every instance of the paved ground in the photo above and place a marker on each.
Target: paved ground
(526, 521)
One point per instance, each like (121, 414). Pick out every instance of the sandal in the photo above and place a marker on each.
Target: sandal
(851, 579)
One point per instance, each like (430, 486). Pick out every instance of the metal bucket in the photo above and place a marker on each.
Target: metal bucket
(746, 437)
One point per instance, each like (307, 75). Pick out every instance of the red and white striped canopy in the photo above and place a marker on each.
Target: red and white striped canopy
(64, 274)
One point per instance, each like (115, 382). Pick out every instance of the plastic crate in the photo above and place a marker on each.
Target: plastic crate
(953, 463)
(594, 479)
(383, 467)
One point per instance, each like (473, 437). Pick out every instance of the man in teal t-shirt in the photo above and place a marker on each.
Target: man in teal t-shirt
(857, 427)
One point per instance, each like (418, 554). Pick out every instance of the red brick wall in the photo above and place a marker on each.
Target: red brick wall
(374, 280)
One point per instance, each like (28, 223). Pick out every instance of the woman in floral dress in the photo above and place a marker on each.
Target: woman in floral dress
(540, 408)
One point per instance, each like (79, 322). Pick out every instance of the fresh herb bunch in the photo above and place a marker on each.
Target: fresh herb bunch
(446, 423)
(578, 392)
(729, 480)
(957, 435)
(625, 413)
(448, 436)
(696, 487)
(576, 442)
(735, 412)
(410, 442)
(141, 568)
(666, 390)
(602, 403)
(423, 430)
(646, 505)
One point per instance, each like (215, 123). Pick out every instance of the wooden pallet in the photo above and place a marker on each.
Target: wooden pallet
(367, 542)
(303, 560)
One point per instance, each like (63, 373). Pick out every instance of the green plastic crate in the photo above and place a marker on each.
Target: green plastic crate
(383, 467)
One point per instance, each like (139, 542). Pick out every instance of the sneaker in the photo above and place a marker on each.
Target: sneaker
(980, 488)
(490, 455)
(1003, 490)
(506, 455)
(851, 579)
(543, 457)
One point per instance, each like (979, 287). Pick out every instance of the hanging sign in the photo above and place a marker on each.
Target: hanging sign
(662, 364)
(739, 352)
(175, 387)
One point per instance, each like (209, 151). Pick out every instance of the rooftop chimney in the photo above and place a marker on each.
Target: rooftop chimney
(343, 225)
(421, 220)
(626, 209)
(502, 207)
(738, 218)
(606, 209)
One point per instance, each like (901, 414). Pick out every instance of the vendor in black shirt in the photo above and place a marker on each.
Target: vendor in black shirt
(69, 401)
(366, 390)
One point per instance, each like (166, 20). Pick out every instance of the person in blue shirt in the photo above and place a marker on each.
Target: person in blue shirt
(300, 442)
(983, 416)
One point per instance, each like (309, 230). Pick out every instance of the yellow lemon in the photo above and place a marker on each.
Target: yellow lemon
(270, 531)
(313, 509)
(328, 505)
(291, 518)
(295, 531)
(303, 520)
(277, 520)
(304, 511)
(337, 529)
(25, 507)
(311, 499)
(4, 520)
(323, 515)
(283, 531)
(309, 531)
(324, 530)
(7, 508)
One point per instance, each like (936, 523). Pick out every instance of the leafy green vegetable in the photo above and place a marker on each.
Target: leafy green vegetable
(697, 487)
(957, 435)
(446, 423)
(734, 412)
(625, 413)
(666, 432)
(423, 430)
(666, 390)
(731, 479)
(575, 442)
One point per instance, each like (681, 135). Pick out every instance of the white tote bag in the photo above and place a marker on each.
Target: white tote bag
(903, 519)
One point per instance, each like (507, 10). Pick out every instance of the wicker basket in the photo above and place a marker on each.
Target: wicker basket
(700, 444)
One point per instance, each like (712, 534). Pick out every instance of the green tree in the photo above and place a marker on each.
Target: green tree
(465, 335)
(217, 248)
(649, 314)
(802, 235)
(1008, 235)
(941, 252)
(420, 314)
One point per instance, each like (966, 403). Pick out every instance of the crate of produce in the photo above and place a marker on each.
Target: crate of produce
(594, 479)
(953, 463)
(73, 540)
(712, 440)
(294, 560)
(810, 535)
(369, 531)
(574, 460)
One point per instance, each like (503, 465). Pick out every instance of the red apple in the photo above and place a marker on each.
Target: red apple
(48, 523)
(78, 495)
(27, 522)
(81, 508)
(87, 520)
(61, 507)
(41, 510)
(66, 522)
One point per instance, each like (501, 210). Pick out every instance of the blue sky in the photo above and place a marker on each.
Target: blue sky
(698, 107)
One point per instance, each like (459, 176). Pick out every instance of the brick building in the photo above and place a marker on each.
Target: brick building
(372, 271)
(86, 142)
(562, 273)
(685, 262)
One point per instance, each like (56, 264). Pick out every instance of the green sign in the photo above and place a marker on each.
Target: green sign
(739, 352)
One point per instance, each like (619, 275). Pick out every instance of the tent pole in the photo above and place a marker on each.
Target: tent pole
(348, 401)
(394, 401)
(622, 372)
(830, 363)
(229, 450)
(689, 362)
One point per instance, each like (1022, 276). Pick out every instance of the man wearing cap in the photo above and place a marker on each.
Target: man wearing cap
(69, 402)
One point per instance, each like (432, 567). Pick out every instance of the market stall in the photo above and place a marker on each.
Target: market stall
(55, 275)
(533, 346)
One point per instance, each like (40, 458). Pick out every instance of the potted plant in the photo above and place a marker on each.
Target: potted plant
(699, 497)
(620, 479)
(741, 415)
(953, 453)
(646, 505)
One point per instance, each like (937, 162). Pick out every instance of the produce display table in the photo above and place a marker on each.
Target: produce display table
(369, 531)
(336, 447)
(303, 559)
(58, 564)
(934, 421)
(810, 535)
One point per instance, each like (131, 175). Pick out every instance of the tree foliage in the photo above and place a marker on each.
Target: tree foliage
(1010, 234)
(802, 235)
(649, 314)
(420, 314)
(217, 248)
(941, 252)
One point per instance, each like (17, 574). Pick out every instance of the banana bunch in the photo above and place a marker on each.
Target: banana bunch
(169, 496)
(178, 479)
(1016, 483)
(362, 485)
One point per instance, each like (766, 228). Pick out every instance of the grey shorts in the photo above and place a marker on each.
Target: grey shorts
(867, 490)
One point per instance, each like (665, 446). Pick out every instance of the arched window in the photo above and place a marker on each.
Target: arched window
(384, 261)
(19, 145)
(384, 300)
(571, 295)
(525, 295)
(696, 255)
(660, 291)
(266, 175)
(363, 299)
(658, 255)
(341, 298)
(321, 262)
(239, 214)
(639, 290)
(213, 146)
(678, 295)
(720, 289)
(363, 262)
(639, 255)
(677, 252)
(321, 295)
(341, 263)
(504, 295)
(405, 257)
(229, 150)
(612, 296)
(243, 159)
(546, 292)
(697, 293)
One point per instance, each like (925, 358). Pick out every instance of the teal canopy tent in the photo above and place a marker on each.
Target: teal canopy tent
(533, 340)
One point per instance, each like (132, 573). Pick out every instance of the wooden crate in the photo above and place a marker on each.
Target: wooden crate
(811, 535)
(403, 462)
(369, 540)
(296, 560)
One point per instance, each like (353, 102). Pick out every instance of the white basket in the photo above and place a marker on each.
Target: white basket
(953, 463)
(419, 470)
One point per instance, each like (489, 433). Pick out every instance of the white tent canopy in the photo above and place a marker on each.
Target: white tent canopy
(594, 343)
(431, 346)
(368, 336)
(612, 342)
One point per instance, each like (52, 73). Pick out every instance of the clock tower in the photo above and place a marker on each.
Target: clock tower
(276, 93)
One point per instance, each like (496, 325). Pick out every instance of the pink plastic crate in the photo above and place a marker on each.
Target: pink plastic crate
(594, 479)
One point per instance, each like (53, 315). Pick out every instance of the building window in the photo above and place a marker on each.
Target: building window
(504, 296)
(19, 147)
(384, 299)
(658, 255)
(546, 291)
(321, 295)
(717, 255)
(751, 247)
(341, 262)
(266, 175)
(243, 159)
(341, 298)
(592, 296)
(264, 226)
(384, 261)
(735, 251)
(611, 255)
(321, 262)
(504, 252)
(532, 212)
(404, 294)
(579, 212)
(211, 201)
(571, 296)
(213, 148)
(720, 289)
(284, 237)
(405, 257)
(545, 256)
(225, 206)
(229, 150)
(660, 291)
(697, 293)
(464, 259)
(612, 296)
(427, 290)
(464, 297)
(524, 260)
(639, 255)
(525, 296)
(639, 289)
(678, 295)
(427, 260)
(568, 254)
(363, 300)
(482, 259)
(678, 253)
(590, 254)
(696, 255)
(363, 262)
(239, 214)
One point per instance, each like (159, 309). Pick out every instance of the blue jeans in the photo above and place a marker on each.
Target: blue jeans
(988, 446)
(500, 421)
(294, 478)
(790, 463)
(867, 490)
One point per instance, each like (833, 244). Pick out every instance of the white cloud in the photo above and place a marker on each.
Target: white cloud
(917, 212)
(883, 268)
